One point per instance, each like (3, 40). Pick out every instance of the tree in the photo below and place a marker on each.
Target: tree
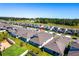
(21, 44)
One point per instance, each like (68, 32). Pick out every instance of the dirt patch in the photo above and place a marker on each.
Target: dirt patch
(4, 45)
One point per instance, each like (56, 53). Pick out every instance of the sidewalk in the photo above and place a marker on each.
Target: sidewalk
(24, 53)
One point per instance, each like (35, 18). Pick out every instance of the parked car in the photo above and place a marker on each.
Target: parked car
(51, 27)
(55, 29)
(77, 32)
(61, 30)
(70, 31)
(47, 27)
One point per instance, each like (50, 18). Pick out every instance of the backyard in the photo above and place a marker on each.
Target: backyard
(20, 47)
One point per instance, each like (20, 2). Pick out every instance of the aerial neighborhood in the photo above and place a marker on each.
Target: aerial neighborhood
(39, 29)
(50, 40)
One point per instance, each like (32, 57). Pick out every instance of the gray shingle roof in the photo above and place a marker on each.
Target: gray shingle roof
(59, 44)
(30, 33)
(42, 37)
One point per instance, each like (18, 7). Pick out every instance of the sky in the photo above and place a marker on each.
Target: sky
(34, 10)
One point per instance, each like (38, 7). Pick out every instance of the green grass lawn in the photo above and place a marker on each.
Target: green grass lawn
(14, 50)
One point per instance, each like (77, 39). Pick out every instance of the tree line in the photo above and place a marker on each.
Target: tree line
(14, 18)
(69, 22)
